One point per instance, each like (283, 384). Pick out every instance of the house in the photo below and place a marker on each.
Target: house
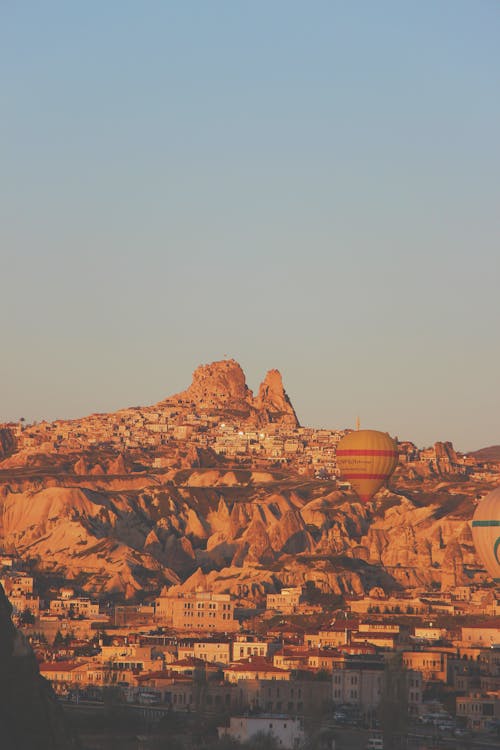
(197, 611)
(287, 601)
(298, 697)
(254, 668)
(286, 730)
(480, 710)
(358, 681)
(433, 664)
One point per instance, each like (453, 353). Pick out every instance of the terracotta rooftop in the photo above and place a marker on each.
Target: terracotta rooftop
(254, 664)
(60, 666)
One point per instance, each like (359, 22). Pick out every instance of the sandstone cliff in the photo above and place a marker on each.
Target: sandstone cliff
(237, 527)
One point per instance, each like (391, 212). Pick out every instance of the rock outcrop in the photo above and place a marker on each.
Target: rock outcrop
(446, 458)
(30, 715)
(128, 539)
(221, 386)
(273, 402)
(138, 499)
(78, 532)
(7, 442)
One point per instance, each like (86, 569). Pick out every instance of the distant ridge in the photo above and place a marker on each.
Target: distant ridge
(491, 453)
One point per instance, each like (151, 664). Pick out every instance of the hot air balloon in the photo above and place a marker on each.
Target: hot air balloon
(366, 459)
(486, 533)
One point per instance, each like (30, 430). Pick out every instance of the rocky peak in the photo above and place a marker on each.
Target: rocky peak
(273, 399)
(445, 452)
(222, 385)
(219, 384)
(447, 461)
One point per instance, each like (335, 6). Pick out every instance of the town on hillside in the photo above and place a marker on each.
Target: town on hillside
(198, 573)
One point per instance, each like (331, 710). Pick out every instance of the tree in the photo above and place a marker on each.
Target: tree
(58, 640)
(323, 675)
(393, 709)
(261, 741)
(26, 617)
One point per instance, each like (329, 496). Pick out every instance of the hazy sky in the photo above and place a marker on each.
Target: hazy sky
(311, 186)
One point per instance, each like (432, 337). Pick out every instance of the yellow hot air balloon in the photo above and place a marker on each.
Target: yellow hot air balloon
(486, 532)
(366, 459)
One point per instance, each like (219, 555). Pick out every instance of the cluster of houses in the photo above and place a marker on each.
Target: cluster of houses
(289, 672)
(192, 652)
(170, 428)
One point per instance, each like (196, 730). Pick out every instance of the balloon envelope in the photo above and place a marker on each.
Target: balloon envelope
(366, 459)
(486, 533)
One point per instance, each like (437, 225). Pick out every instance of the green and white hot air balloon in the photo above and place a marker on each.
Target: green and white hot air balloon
(486, 533)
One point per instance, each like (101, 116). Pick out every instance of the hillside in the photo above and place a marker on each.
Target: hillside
(492, 453)
(130, 502)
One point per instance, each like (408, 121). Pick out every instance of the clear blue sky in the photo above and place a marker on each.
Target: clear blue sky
(308, 186)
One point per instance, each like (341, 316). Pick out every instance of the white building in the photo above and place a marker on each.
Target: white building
(244, 646)
(78, 607)
(288, 731)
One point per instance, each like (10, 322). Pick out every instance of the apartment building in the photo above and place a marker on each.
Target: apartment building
(245, 646)
(480, 710)
(287, 601)
(200, 610)
(77, 606)
(254, 668)
(358, 681)
(480, 636)
(17, 583)
(299, 697)
(212, 651)
(432, 664)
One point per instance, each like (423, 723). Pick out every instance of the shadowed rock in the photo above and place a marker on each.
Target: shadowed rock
(30, 716)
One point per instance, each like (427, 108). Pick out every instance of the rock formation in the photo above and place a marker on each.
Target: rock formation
(218, 385)
(7, 441)
(273, 401)
(233, 524)
(221, 386)
(131, 502)
(82, 533)
(446, 458)
(30, 715)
